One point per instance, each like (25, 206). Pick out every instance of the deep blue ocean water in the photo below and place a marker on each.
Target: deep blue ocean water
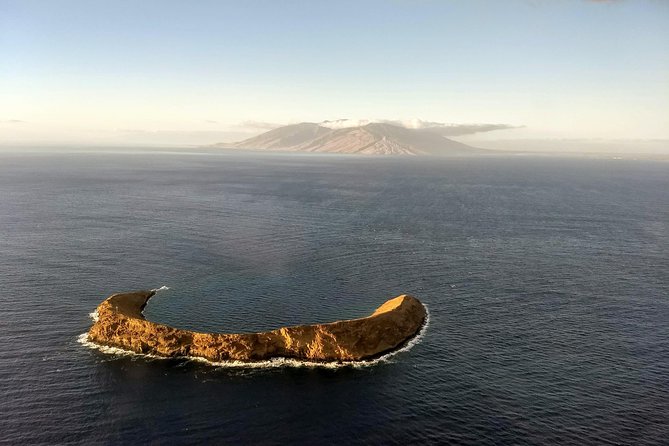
(547, 282)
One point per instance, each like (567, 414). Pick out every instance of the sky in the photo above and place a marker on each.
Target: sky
(198, 72)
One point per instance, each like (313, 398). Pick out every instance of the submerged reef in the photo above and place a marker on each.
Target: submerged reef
(120, 323)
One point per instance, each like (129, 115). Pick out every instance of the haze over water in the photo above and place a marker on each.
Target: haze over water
(546, 281)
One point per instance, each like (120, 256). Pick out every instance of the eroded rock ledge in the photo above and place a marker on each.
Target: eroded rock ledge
(120, 323)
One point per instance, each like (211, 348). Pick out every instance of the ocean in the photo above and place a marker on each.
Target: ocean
(546, 280)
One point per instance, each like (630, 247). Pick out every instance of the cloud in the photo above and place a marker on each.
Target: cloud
(418, 124)
(210, 121)
(178, 137)
(12, 121)
(469, 129)
(409, 124)
(257, 125)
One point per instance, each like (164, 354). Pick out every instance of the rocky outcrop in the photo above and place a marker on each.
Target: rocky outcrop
(120, 323)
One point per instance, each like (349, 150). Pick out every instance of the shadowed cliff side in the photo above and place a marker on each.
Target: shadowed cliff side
(120, 323)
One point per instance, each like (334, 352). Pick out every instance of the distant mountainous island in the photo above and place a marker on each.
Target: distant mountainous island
(370, 139)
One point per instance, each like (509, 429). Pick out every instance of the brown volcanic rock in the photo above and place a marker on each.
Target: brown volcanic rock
(121, 324)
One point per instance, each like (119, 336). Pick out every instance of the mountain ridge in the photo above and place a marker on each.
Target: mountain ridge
(369, 139)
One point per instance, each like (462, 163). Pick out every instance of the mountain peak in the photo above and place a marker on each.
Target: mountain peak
(372, 138)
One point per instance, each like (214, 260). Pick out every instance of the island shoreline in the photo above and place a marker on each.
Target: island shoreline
(121, 325)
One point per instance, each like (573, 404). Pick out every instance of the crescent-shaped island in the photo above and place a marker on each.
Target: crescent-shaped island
(120, 323)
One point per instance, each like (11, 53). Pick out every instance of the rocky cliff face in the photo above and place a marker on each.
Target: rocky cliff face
(121, 324)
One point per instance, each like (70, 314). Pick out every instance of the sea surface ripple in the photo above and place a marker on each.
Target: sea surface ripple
(546, 281)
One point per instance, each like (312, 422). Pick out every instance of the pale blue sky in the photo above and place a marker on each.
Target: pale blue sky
(106, 70)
